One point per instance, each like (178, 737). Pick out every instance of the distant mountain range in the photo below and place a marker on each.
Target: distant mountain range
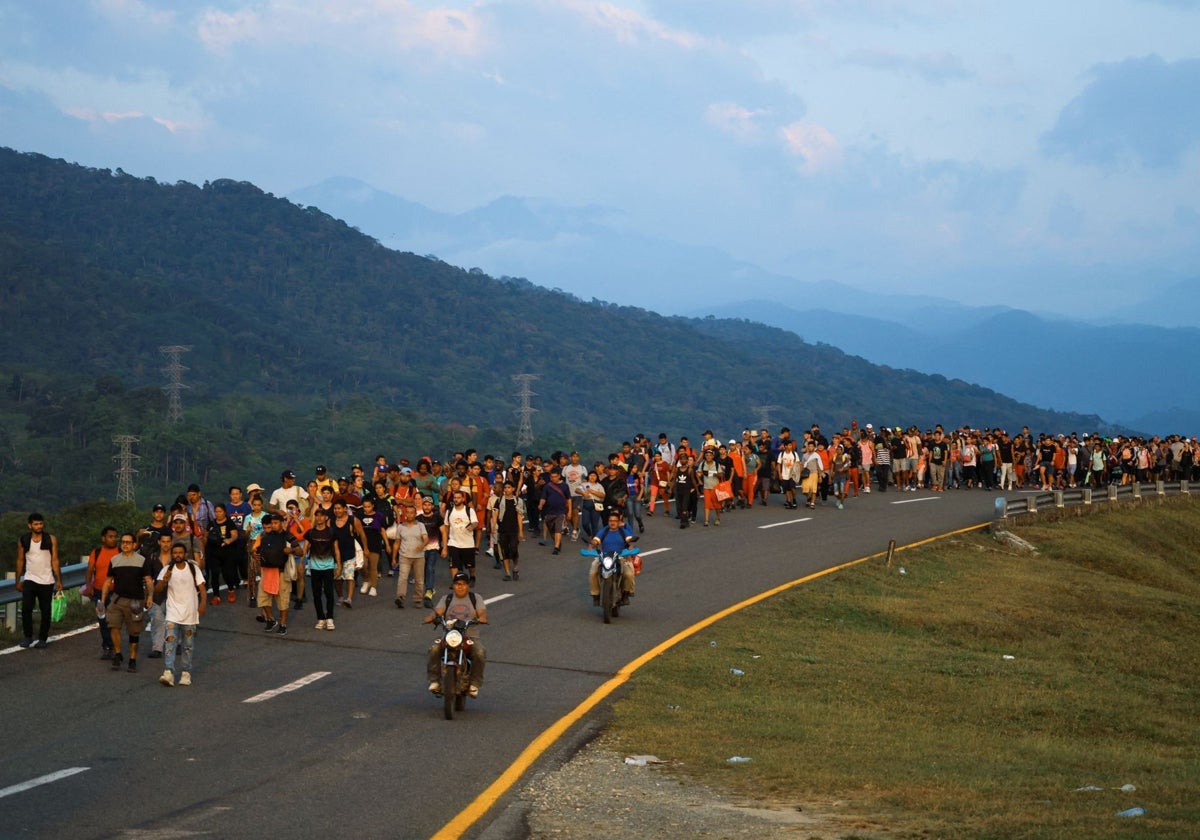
(1132, 367)
(310, 342)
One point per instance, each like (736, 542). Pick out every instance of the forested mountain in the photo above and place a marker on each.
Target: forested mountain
(312, 342)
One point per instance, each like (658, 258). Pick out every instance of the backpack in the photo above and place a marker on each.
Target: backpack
(450, 597)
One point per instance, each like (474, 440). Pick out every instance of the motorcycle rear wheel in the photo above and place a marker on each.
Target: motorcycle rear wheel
(449, 690)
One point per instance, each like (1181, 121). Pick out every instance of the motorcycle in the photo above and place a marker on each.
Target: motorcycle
(456, 664)
(610, 571)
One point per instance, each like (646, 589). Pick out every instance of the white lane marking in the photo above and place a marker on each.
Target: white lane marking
(925, 499)
(496, 598)
(41, 780)
(655, 551)
(789, 522)
(292, 686)
(49, 639)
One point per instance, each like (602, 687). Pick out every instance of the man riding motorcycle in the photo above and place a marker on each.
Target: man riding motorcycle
(612, 537)
(463, 604)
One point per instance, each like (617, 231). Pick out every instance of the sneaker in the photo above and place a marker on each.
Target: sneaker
(185, 678)
(435, 688)
(231, 597)
(428, 594)
(329, 624)
(281, 630)
(575, 535)
(132, 668)
(156, 654)
(106, 653)
(473, 691)
(400, 603)
(297, 606)
(556, 550)
(516, 575)
(363, 589)
(40, 644)
(270, 625)
(214, 600)
(348, 604)
(840, 506)
(541, 542)
(320, 625)
(26, 642)
(116, 662)
(428, 602)
(507, 577)
(595, 600)
(167, 679)
(371, 592)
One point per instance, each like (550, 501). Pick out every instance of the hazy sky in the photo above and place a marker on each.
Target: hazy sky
(990, 152)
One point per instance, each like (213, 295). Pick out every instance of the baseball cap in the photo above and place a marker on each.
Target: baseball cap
(179, 517)
(159, 506)
(287, 474)
(462, 576)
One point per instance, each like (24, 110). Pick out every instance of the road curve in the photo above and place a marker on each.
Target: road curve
(344, 736)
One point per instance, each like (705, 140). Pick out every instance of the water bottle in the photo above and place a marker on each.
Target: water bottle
(736, 672)
(738, 759)
(1132, 812)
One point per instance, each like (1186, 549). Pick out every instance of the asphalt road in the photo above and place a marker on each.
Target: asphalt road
(364, 751)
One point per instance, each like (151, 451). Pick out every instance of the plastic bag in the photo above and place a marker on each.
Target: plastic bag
(58, 606)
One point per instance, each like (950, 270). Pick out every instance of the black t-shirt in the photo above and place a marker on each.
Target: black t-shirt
(320, 542)
(127, 579)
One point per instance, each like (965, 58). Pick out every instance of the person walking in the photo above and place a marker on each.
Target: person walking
(38, 578)
(181, 583)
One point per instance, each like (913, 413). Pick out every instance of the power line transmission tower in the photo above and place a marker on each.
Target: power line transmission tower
(174, 388)
(525, 433)
(125, 470)
(764, 414)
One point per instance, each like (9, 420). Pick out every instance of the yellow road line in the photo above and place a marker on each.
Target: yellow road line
(482, 803)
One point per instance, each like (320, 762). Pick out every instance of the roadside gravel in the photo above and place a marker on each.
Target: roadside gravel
(598, 792)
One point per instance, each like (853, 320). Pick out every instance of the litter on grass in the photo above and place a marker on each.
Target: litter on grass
(642, 760)
(1132, 812)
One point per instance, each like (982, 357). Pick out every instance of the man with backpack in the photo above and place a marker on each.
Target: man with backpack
(182, 584)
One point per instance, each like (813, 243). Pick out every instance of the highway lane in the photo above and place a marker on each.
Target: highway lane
(364, 749)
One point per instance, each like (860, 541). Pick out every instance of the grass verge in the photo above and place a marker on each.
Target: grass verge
(895, 694)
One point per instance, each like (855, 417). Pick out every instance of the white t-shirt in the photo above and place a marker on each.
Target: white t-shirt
(575, 475)
(182, 596)
(281, 496)
(460, 535)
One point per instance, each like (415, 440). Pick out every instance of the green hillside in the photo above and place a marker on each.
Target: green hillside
(310, 342)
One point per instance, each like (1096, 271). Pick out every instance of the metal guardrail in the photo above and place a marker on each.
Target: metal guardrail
(72, 576)
(1083, 496)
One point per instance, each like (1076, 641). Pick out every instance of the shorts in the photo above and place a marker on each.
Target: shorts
(122, 614)
(787, 485)
(810, 485)
(348, 570)
(555, 522)
(905, 464)
(461, 558)
(283, 600)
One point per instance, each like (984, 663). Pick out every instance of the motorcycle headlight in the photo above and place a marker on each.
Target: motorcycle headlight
(454, 638)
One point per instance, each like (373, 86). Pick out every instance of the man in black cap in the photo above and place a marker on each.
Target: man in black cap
(290, 491)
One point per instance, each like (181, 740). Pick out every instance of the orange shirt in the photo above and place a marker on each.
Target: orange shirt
(104, 558)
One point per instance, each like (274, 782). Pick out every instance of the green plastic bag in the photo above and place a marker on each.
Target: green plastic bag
(58, 607)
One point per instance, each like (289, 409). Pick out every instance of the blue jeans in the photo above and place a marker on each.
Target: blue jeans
(175, 634)
(157, 616)
(633, 509)
(432, 555)
(589, 523)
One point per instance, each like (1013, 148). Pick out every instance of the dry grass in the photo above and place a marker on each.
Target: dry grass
(892, 692)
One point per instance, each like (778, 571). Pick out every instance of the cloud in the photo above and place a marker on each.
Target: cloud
(741, 122)
(107, 98)
(373, 28)
(1141, 111)
(814, 144)
(934, 67)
